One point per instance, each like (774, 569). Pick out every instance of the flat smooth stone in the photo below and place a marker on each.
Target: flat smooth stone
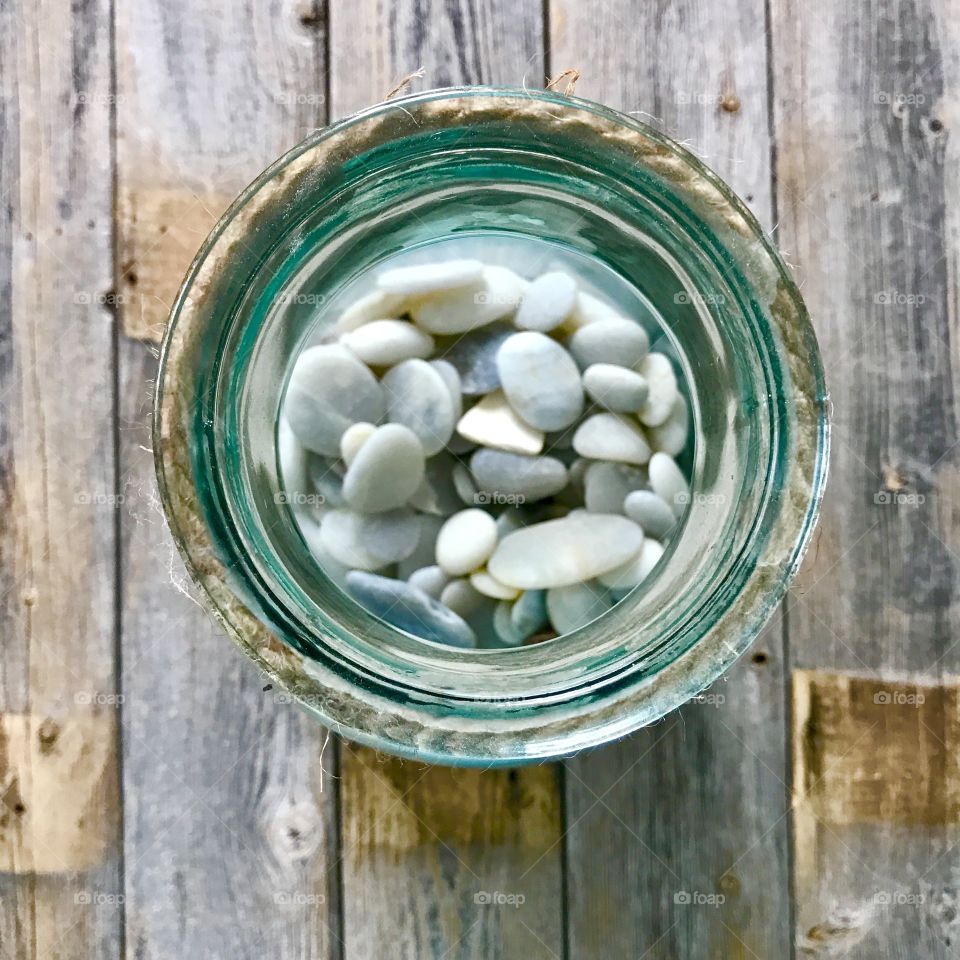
(449, 375)
(344, 537)
(437, 494)
(547, 302)
(386, 471)
(292, 458)
(311, 532)
(671, 436)
(606, 485)
(497, 294)
(635, 571)
(610, 436)
(614, 340)
(511, 519)
(658, 371)
(589, 308)
(330, 389)
(616, 388)
(474, 356)
(430, 277)
(326, 480)
(431, 580)
(573, 607)
(558, 553)
(410, 609)
(668, 483)
(466, 541)
(376, 305)
(490, 586)
(529, 613)
(424, 554)
(417, 397)
(463, 598)
(540, 380)
(493, 423)
(382, 343)
(354, 437)
(503, 625)
(654, 515)
(515, 478)
(465, 487)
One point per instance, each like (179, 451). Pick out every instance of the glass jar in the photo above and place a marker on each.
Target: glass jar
(535, 164)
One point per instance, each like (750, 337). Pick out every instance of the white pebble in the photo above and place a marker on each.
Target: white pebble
(616, 388)
(654, 515)
(376, 305)
(345, 536)
(588, 308)
(430, 277)
(547, 302)
(462, 598)
(668, 482)
(493, 423)
(354, 437)
(657, 370)
(497, 294)
(635, 571)
(386, 471)
(608, 436)
(466, 541)
(417, 397)
(313, 537)
(450, 376)
(671, 436)
(292, 458)
(431, 580)
(606, 485)
(616, 341)
(382, 343)
(486, 583)
(573, 607)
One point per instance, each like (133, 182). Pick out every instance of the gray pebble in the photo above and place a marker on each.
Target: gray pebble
(387, 470)
(500, 476)
(503, 625)
(529, 613)
(573, 607)
(437, 493)
(611, 436)
(474, 357)
(547, 302)
(426, 549)
(652, 513)
(326, 479)
(418, 397)
(464, 485)
(463, 598)
(616, 340)
(431, 580)
(606, 485)
(616, 388)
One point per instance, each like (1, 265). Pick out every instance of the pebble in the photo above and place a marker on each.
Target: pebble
(547, 302)
(497, 294)
(387, 470)
(558, 553)
(292, 458)
(437, 493)
(474, 356)
(504, 627)
(465, 487)
(343, 537)
(425, 552)
(653, 514)
(573, 607)
(540, 380)
(609, 436)
(417, 397)
(514, 478)
(606, 485)
(431, 580)
(511, 519)
(382, 343)
(410, 609)
(466, 541)
(671, 436)
(490, 586)
(451, 378)
(634, 571)
(616, 388)
(589, 308)
(329, 390)
(354, 437)
(430, 277)
(615, 340)
(657, 370)
(313, 537)
(326, 479)
(377, 305)
(493, 423)
(668, 483)
(462, 598)
(529, 613)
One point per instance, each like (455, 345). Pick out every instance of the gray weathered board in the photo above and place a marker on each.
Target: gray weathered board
(159, 803)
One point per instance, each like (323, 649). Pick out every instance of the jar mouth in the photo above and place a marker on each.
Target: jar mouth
(510, 162)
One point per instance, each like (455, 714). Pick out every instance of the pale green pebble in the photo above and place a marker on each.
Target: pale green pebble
(529, 613)
(503, 625)
(573, 607)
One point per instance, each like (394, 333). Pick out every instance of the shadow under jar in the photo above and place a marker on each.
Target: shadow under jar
(599, 185)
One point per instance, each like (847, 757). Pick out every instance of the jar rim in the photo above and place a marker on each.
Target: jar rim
(403, 727)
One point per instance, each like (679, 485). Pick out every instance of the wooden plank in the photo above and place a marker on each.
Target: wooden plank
(866, 196)
(60, 890)
(440, 862)
(677, 839)
(230, 822)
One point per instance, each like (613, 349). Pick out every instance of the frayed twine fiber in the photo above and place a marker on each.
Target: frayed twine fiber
(571, 76)
(405, 82)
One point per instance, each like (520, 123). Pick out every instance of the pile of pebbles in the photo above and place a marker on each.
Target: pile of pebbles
(484, 460)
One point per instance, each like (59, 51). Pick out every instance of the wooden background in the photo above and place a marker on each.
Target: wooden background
(157, 802)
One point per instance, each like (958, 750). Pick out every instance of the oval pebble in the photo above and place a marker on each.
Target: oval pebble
(502, 477)
(497, 294)
(573, 607)
(329, 389)
(354, 437)
(465, 487)
(540, 381)
(529, 613)
(615, 340)
(431, 580)
(382, 343)
(655, 517)
(503, 625)
(606, 485)
(466, 541)
(326, 480)
(658, 371)
(313, 537)
(635, 571)
(430, 277)
(558, 553)
(511, 519)
(344, 538)
(437, 493)
(547, 302)
(418, 398)
(671, 436)
(373, 539)
(487, 584)
(376, 305)
(425, 552)
(668, 483)
(609, 436)
(493, 423)
(410, 609)
(292, 458)
(589, 308)
(463, 598)
(449, 375)
(387, 470)
(474, 357)
(616, 388)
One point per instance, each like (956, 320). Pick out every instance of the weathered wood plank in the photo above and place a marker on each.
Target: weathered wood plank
(677, 838)
(440, 862)
(230, 826)
(866, 196)
(61, 889)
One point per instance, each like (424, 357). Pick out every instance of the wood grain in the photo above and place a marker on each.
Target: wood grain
(230, 825)
(677, 839)
(866, 189)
